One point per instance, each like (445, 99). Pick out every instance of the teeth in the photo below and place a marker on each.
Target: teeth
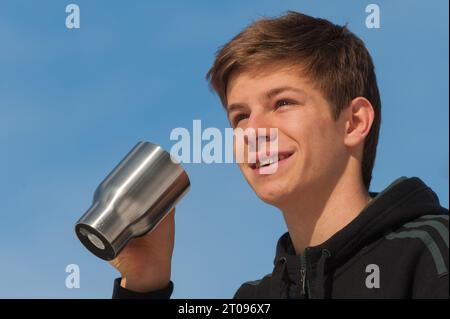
(267, 161)
(270, 160)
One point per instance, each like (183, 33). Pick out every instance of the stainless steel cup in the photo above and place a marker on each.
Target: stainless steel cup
(132, 200)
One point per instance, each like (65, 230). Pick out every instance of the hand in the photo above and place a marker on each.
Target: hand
(145, 262)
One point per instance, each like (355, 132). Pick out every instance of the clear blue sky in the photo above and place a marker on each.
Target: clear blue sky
(73, 102)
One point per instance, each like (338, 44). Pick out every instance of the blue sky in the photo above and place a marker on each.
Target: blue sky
(73, 102)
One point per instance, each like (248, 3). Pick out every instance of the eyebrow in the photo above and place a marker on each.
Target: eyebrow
(274, 92)
(270, 94)
(234, 106)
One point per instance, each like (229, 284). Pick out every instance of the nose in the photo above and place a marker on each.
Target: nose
(261, 132)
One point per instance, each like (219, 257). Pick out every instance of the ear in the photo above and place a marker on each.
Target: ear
(360, 117)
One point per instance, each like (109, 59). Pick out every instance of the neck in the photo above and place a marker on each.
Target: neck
(320, 212)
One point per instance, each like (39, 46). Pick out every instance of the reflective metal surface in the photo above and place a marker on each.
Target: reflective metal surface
(132, 200)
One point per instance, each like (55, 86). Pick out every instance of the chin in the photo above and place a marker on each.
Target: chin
(273, 189)
(274, 195)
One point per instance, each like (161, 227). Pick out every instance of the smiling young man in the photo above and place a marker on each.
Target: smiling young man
(315, 83)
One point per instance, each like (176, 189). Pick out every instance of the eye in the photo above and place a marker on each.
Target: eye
(238, 118)
(283, 102)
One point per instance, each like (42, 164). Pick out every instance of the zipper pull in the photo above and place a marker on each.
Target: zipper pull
(303, 273)
(303, 278)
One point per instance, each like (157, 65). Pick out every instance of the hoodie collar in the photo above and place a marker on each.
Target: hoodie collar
(403, 200)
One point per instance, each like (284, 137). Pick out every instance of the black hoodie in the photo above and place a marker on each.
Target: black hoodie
(397, 247)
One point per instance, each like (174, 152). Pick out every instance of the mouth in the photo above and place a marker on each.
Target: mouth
(264, 161)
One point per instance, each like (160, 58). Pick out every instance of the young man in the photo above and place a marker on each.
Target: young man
(314, 81)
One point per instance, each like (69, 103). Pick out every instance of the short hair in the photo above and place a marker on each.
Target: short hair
(335, 59)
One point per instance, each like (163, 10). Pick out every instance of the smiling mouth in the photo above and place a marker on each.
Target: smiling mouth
(265, 161)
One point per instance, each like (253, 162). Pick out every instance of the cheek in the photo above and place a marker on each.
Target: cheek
(327, 145)
(317, 138)
(301, 129)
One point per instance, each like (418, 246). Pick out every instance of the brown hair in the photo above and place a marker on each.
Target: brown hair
(335, 59)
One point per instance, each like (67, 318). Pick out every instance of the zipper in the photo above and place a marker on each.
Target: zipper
(303, 283)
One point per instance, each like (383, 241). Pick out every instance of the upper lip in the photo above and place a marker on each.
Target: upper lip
(275, 156)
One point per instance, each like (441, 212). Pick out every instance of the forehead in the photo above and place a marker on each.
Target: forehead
(258, 80)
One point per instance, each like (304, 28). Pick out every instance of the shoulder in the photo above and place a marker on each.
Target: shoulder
(430, 235)
(427, 239)
(252, 289)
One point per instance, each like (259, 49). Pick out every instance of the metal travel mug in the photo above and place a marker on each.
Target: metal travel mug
(132, 200)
